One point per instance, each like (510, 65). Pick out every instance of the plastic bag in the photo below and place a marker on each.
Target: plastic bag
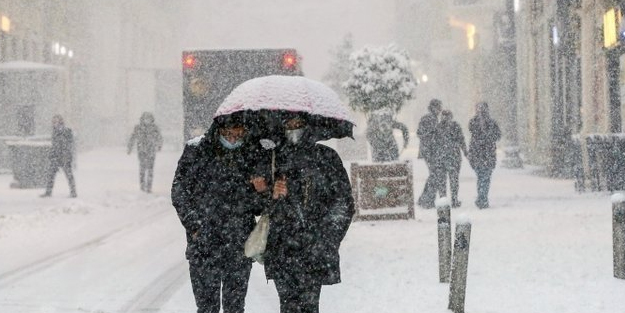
(257, 241)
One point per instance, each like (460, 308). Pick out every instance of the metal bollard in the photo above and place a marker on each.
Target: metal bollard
(444, 241)
(458, 286)
(618, 234)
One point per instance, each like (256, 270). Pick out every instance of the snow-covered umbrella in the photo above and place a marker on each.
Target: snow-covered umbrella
(268, 98)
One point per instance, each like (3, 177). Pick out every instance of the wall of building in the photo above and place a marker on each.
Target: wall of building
(118, 49)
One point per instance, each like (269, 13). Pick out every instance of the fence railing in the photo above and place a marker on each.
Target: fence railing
(605, 160)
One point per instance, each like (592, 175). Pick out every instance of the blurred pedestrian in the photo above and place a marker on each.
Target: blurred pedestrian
(217, 195)
(483, 150)
(428, 142)
(61, 155)
(380, 136)
(148, 140)
(451, 147)
(312, 210)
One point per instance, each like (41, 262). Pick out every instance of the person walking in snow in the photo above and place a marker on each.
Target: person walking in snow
(61, 156)
(380, 136)
(312, 210)
(452, 145)
(148, 140)
(217, 195)
(482, 150)
(428, 144)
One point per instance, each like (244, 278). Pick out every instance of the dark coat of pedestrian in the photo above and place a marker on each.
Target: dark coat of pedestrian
(483, 150)
(452, 145)
(380, 135)
(216, 198)
(427, 132)
(312, 210)
(147, 137)
(61, 155)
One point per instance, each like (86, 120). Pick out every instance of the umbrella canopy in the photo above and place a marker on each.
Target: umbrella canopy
(326, 114)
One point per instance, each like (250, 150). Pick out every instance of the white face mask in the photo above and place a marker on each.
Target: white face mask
(229, 145)
(294, 135)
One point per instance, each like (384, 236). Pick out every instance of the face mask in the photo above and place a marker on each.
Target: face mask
(294, 135)
(228, 145)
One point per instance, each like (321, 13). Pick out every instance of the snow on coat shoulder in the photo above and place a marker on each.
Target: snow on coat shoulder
(194, 142)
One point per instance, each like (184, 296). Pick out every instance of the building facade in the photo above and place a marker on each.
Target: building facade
(116, 54)
(569, 77)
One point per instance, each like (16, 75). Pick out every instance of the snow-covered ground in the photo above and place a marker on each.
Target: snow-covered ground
(540, 248)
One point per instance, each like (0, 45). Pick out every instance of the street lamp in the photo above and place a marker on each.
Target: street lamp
(5, 24)
(470, 29)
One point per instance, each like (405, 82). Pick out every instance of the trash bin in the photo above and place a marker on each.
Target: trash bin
(29, 162)
(5, 158)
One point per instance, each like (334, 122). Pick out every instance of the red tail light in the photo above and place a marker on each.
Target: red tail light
(188, 61)
(289, 60)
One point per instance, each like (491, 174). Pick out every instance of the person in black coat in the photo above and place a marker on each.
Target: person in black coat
(380, 135)
(482, 150)
(452, 145)
(217, 195)
(428, 145)
(148, 139)
(61, 155)
(312, 210)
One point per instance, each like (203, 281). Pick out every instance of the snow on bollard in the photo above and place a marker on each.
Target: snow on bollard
(618, 234)
(460, 262)
(444, 239)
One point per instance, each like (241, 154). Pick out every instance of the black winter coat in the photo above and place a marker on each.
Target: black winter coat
(308, 225)
(148, 139)
(428, 137)
(483, 149)
(452, 144)
(62, 146)
(215, 200)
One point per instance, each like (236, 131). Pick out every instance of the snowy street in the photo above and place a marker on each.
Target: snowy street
(540, 248)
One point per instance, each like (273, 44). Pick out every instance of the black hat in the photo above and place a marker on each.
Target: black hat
(230, 120)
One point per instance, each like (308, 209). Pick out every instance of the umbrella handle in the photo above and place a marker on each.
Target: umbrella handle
(273, 166)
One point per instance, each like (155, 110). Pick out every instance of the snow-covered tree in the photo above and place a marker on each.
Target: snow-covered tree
(379, 77)
(338, 72)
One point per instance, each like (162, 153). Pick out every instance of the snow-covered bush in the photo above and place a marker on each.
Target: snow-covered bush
(380, 77)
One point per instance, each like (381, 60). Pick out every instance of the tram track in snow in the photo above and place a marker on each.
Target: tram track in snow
(158, 291)
(10, 277)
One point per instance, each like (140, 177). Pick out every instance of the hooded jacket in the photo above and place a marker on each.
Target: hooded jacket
(214, 199)
(308, 225)
(484, 135)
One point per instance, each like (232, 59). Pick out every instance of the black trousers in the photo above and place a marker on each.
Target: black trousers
(66, 166)
(483, 186)
(298, 293)
(452, 173)
(146, 171)
(434, 183)
(229, 281)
